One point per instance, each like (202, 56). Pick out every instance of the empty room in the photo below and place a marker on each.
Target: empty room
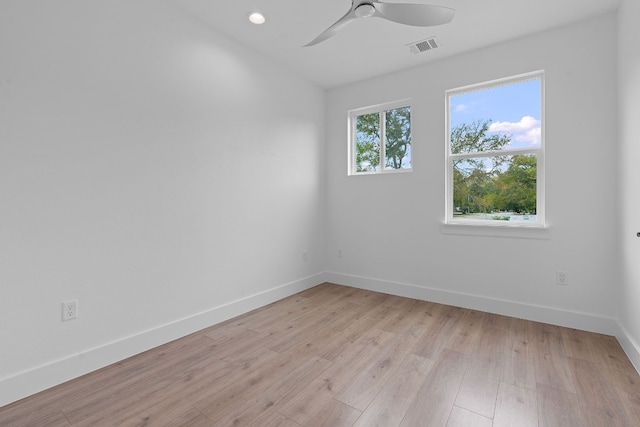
(303, 213)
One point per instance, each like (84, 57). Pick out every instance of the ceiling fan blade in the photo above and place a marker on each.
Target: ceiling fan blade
(419, 15)
(332, 30)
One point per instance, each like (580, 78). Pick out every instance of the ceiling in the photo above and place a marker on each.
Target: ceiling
(373, 46)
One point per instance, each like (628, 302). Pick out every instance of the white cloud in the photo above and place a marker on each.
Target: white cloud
(461, 107)
(527, 130)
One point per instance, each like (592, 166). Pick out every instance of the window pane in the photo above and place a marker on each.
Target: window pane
(500, 117)
(398, 138)
(368, 142)
(495, 188)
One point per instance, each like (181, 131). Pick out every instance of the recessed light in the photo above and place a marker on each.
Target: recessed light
(256, 18)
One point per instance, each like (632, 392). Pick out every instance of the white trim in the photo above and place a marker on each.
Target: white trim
(382, 172)
(538, 151)
(497, 229)
(494, 153)
(537, 313)
(474, 87)
(351, 138)
(630, 346)
(552, 315)
(391, 105)
(38, 378)
(31, 381)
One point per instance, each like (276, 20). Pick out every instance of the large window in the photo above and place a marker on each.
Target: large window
(495, 147)
(380, 138)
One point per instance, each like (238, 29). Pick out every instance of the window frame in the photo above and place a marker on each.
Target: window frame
(451, 219)
(380, 109)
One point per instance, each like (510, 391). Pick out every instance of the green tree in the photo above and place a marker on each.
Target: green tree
(486, 184)
(398, 136)
(518, 184)
(397, 139)
(367, 142)
(491, 183)
(473, 138)
(461, 196)
(474, 178)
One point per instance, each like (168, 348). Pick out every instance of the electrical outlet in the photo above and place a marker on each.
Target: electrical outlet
(69, 310)
(305, 255)
(339, 253)
(562, 278)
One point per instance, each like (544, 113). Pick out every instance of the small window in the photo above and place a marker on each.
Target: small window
(495, 162)
(380, 138)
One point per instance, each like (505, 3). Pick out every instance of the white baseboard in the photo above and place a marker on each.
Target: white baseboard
(555, 316)
(36, 379)
(630, 346)
(39, 378)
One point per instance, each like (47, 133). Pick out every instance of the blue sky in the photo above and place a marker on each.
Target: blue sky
(513, 108)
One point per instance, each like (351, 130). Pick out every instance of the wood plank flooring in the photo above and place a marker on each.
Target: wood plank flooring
(338, 356)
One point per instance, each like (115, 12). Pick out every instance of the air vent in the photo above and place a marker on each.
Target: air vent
(423, 45)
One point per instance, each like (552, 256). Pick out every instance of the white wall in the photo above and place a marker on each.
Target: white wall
(160, 173)
(141, 171)
(629, 109)
(389, 227)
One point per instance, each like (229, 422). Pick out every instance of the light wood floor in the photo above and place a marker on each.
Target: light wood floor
(337, 356)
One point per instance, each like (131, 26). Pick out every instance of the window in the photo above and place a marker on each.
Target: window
(380, 138)
(495, 162)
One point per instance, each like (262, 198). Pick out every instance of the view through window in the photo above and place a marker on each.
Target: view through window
(495, 152)
(380, 138)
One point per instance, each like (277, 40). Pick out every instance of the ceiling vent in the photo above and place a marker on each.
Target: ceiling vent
(423, 45)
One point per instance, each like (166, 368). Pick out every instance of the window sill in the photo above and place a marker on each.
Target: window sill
(381, 172)
(517, 232)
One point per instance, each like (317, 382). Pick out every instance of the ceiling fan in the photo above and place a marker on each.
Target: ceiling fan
(419, 15)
